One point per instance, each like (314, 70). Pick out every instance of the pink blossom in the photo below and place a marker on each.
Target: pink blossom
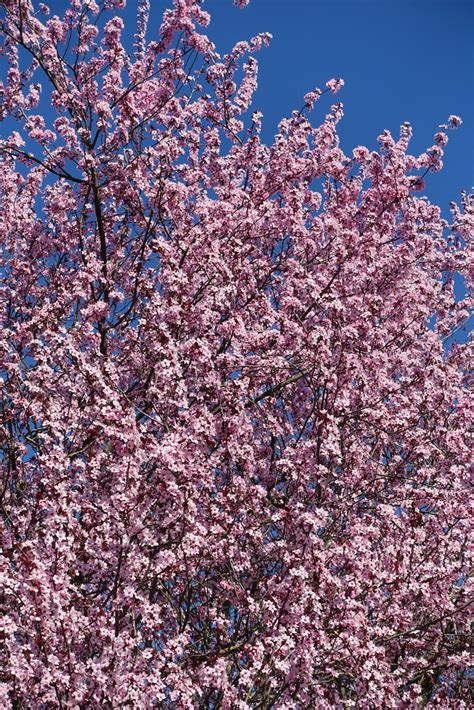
(234, 427)
(454, 121)
(334, 85)
(311, 97)
(360, 154)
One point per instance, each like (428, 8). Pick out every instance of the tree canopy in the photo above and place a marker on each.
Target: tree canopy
(233, 413)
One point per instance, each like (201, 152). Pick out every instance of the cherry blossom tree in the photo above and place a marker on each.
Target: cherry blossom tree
(234, 411)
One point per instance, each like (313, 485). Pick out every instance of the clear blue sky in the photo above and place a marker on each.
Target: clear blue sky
(402, 60)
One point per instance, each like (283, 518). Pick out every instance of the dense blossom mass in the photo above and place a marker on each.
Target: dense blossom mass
(233, 412)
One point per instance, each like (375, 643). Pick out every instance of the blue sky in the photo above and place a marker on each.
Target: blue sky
(402, 60)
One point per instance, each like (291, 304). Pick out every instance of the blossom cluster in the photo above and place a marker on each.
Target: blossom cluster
(233, 409)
